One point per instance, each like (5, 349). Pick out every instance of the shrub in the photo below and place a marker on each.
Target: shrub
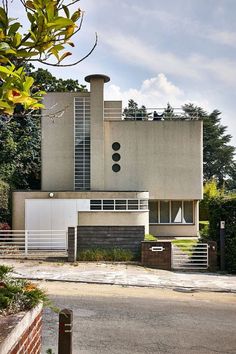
(17, 294)
(100, 254)
(4, 226)
(224, 210)
(150, 237)
(204, 230)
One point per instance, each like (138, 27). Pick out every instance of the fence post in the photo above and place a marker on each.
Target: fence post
(26, 242)
(222, 245)
(72, 244)
(65, 331)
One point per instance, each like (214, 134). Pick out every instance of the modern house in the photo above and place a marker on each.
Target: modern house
(101, 169)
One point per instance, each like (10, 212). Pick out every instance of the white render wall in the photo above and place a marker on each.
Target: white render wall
(162, 157)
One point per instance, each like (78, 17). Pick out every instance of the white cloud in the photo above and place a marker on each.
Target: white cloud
(154, 92)
(194, 66)
(223, 37)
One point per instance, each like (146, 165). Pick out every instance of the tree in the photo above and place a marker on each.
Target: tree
(134, 112)
(218, 155)
(20, 138)
(51, 28)
(49, 83)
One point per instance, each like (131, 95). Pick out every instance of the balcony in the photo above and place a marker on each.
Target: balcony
(149, 114)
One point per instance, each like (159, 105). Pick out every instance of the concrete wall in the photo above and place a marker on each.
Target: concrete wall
(163, 157)
(114, 218)
(58, 142)
(170, 230)
(18, 200)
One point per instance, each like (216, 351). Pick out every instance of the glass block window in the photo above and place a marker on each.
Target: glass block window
(82, 143)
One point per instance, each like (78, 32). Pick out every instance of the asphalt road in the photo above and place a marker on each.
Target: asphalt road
(110, 319)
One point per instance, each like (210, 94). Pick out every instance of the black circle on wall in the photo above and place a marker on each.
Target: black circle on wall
(116, 167)
(116, 157)
(116, 146)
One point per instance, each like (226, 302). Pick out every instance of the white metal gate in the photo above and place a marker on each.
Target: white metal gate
(190, 256)
(30, 242)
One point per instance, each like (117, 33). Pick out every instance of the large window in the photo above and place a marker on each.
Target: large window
(171, 212)
(119, 204)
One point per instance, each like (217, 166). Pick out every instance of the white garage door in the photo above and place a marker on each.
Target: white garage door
(52, 215)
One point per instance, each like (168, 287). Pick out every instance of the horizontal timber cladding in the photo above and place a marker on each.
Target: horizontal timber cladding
(126, 237)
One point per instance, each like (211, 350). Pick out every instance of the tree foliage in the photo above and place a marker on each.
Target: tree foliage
(51, 28)
(224, 209)
(134, 111)
(49, 83)
(20, 138)
(218, 155)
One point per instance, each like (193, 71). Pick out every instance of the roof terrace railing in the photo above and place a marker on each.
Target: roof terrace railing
(149, 114)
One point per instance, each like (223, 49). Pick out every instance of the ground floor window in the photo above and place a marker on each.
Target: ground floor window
(171, 211)
(119, 204)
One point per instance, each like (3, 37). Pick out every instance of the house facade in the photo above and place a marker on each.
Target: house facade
(101, 169)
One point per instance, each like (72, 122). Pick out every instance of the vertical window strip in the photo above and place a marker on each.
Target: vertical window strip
(82, 143)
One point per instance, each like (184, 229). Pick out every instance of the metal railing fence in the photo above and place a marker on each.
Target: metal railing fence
(26, 242)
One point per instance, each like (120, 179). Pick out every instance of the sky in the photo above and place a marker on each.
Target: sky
(159, 51)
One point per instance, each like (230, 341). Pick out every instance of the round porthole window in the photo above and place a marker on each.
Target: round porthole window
(116, 146)
(116, 167)
(116, 157)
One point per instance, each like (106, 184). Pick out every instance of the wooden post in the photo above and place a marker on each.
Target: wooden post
(65, 332)
(222, 245)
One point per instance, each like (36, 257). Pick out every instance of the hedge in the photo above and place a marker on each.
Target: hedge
(224, 210)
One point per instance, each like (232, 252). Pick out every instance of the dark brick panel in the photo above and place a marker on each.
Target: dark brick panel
(127, 237)
(158, 259)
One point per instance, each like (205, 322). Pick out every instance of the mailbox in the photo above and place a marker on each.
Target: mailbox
(157, 249)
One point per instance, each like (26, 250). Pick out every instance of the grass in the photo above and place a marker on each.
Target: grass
(17, 294)
(100, 254)
(184, 245)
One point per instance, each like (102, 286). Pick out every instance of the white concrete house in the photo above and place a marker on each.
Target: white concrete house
(101, 169)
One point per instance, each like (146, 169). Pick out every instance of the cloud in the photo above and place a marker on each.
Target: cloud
(223, 37)
(193, 67)
(154, 92)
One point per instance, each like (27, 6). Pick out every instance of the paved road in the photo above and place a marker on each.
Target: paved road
(116, 320)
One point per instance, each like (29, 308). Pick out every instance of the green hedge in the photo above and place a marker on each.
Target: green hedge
(224, 210)
(100, 254)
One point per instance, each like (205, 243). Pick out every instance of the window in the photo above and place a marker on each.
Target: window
(176, 211)
(119, 204)
(95, 205)
(116, 167)
(171, 211)
(133, 205)
(188, 212)
(153, 212)
(116, 157)
(164, 211)
(116, 146)
(108, 204)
